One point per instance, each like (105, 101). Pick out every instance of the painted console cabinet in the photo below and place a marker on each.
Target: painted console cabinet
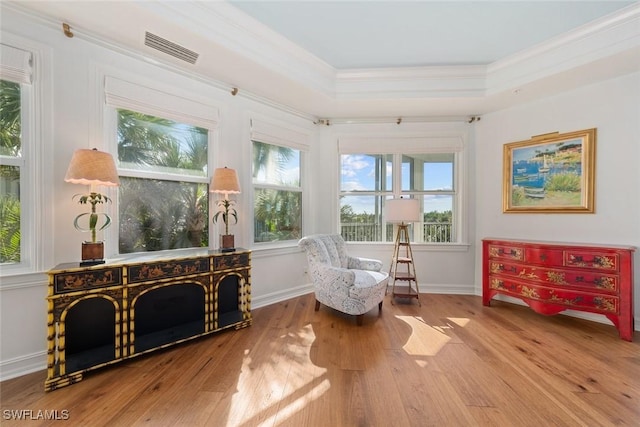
(552, 277)
(106, 313)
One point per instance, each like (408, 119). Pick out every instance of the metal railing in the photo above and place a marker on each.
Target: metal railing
(432, 232)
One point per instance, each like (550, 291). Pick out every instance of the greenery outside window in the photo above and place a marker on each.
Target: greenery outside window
(277, 193)
(10, 172)
(163, 194)
(367, 180)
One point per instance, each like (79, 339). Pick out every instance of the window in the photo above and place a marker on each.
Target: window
(277, 193)
(367, 180)
(163, 194)
(163, 145)
(24, 179)
(10, 172)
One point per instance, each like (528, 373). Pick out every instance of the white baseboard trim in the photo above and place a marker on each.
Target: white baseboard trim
(23, 365)
(279, 296)
(451, 289)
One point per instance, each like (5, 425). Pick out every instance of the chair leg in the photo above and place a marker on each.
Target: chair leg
(380, 308)
(359, 318)
(317, 305)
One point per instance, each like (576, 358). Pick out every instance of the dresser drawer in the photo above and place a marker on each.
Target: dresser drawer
(167, 269)
(588, 259)
(566, 278)
(65, 282)
(593, 302)
(544, 256)
(506, 251)
(235, 260)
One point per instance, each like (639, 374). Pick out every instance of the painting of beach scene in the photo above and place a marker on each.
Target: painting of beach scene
(550, 173)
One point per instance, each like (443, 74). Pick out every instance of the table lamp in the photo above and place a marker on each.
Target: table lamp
(93, 168)
(225, 181)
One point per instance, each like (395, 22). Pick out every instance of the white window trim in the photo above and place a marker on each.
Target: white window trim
(36, 172)
(126, 92)
(274, 132)
(413, 143)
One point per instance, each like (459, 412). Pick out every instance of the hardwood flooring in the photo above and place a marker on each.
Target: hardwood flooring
(449, 362)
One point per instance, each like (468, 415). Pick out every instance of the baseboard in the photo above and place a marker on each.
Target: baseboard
(279, 296)
(460, 289)
(23, 365)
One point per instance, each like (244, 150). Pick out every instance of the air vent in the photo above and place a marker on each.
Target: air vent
(170, 48)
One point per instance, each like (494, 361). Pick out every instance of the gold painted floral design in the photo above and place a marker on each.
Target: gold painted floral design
(530, 292)
(555, 277)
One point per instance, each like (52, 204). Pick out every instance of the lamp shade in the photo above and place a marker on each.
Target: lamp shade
(92, 167)
(402, 210)
(225, 181)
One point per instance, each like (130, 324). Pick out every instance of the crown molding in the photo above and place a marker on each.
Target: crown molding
(607, 36)
(412, 82)
(239, 51)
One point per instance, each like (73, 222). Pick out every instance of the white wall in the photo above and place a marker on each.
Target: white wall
(613, 107)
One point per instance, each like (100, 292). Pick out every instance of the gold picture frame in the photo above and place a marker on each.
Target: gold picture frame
(550, 173)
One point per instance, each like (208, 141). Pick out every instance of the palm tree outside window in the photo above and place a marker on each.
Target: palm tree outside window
(10, 171)
(163, 194)
(277, 193)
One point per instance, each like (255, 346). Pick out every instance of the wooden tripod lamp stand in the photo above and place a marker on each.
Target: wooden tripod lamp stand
(403, 211)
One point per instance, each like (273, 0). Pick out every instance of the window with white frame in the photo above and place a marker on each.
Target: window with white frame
(163, 163)
(368, 180)
(277, 183)
(17, 146)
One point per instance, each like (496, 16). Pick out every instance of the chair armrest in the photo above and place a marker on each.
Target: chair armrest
(359, 263)
(327, 277)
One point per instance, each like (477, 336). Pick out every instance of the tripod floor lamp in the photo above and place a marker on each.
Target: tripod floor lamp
(402, 270)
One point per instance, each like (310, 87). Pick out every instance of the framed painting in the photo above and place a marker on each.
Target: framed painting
(550, 173)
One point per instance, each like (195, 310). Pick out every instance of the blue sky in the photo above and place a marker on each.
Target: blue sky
(358, 174)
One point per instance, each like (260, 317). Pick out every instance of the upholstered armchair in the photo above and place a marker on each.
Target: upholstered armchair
(348, 284)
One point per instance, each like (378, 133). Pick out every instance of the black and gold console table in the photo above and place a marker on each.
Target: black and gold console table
(103, 314)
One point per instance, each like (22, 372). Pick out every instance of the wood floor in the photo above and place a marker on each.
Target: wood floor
(450, 362)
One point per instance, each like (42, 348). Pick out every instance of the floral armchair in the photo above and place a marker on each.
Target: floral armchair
(348, 284)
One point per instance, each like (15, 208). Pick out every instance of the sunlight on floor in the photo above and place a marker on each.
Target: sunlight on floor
(272, 390)
(460, 321)
(427, 340)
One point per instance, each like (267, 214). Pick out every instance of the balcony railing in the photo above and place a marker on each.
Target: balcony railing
(432, 232)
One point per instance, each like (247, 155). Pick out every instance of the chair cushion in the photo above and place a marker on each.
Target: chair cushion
(366, 282)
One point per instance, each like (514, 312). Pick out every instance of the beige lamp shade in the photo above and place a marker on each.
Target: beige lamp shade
(92, 167)
(225, 181)
(402, 210)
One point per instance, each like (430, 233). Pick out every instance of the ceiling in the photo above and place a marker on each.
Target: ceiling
(382, 34)
(373, 59)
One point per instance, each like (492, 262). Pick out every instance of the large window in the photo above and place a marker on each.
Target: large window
(368, 180)
(163, 195)
(277, 193)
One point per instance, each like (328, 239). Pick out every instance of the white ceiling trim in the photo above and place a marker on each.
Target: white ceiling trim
(231, 41)
(592, 42)
(412, 82)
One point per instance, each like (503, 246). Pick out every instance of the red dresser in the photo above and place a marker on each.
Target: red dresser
(552, 277)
